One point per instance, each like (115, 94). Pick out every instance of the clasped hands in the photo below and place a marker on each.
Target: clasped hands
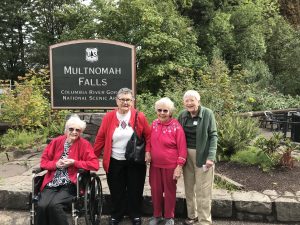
(64, 163)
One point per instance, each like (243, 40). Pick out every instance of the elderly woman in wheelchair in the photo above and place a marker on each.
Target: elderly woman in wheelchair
(63, 158)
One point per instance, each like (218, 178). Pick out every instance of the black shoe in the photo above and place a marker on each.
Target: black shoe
(113, 221)
(137, 221)
(189, 221)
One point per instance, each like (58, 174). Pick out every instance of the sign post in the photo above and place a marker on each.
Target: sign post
(87, 74)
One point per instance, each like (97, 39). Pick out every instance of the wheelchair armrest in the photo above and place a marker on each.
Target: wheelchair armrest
(82, 171)
(37, 170)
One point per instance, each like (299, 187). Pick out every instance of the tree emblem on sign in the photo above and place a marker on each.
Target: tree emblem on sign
(91, 54)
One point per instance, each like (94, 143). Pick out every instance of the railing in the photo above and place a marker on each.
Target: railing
(284, 122)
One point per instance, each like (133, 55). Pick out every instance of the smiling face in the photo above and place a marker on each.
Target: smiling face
(163, 113)
(124, 102)
(191, 104)
(73, 132)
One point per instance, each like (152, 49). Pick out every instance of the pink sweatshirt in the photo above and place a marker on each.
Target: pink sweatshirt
(168, 144)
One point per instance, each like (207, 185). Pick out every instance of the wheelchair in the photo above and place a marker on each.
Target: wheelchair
(86, 207)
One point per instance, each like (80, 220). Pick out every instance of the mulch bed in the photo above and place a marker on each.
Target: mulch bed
(254, 179)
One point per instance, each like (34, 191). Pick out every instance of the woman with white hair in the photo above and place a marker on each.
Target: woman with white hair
(62, 158)
(168, 155)
(200, 130)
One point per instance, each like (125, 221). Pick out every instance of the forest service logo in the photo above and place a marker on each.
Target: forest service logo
(91, 54)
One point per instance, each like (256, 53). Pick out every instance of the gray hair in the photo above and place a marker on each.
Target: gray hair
(191, 93)
(75, 120)
(167, 102)
(125, 91)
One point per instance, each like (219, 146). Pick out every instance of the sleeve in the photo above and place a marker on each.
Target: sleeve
(47, 158)
(146, 130)
(181, 145)
(89, 160)
(212, 138)
(100, 137)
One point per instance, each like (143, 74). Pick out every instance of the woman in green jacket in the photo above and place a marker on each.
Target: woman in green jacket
(200, 130)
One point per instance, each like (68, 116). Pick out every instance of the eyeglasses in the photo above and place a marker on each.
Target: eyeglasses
(71, 129)
(162, 110)
(123, 100)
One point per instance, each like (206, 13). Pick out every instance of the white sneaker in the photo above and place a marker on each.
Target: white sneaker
(155, 220)
(169, 221)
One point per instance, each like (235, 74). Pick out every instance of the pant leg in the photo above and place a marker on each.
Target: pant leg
(60, 202)
(136, 174)
(203, 189)
(52, 204)
(42, 206)
(169, 187)
(155, 180)
(116, 180)
(189, 183)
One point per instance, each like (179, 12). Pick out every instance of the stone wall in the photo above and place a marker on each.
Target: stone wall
(93, 121)
(255, 206)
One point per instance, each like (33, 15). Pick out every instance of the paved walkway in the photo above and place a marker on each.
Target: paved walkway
(21, 218)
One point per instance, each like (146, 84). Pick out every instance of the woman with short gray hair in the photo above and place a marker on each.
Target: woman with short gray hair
(200, 130)
(125, 178)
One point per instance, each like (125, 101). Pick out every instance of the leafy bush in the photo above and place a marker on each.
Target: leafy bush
(277, 149)
(27, 105)
(21, 139)
(145, 103)
(223, 184)
(253, 156)
(234, 134)
(55, 124)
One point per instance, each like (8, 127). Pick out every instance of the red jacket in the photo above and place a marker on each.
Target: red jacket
(81, 151)
(109, 123)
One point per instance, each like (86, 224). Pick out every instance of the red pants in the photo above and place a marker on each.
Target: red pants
(163, 191)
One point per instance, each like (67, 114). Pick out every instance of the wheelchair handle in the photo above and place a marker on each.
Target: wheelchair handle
(37, 170)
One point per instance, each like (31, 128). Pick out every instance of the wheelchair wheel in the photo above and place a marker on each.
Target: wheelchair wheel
(93, 201)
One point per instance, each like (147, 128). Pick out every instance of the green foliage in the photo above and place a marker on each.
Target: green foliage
(277, 149)
(216, 87)
(145, 103)
(269, 146)
(21, 139)
(254, 156)
(56, 123)
(166, 43)
(26, 105)
(283, 57)
(234, 134)
(223, 184)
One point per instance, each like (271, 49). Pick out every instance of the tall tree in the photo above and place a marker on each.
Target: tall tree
(15, 37)
(46, 17)
(165, 41)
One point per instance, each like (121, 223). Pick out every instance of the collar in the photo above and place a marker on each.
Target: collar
(165, 123)
(200, 113)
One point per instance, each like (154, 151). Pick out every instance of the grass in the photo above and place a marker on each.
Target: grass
(20, 139)
(220, 183)
(254, 156)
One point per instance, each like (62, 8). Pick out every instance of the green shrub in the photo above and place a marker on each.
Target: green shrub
(254, 156)
(27, 105)
(21, 139)
(145, 103)
(223, 184)
(55, 124)
(234, 134)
